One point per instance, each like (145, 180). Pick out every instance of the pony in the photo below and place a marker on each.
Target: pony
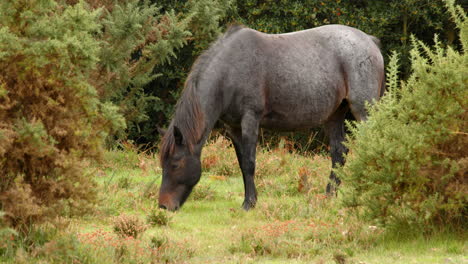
(248, 79)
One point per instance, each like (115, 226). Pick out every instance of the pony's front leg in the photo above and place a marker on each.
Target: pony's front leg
(235, 134)
(249, 126)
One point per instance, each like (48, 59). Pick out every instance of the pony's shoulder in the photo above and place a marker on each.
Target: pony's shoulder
(233, 28)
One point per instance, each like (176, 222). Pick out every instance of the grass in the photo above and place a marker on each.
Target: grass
(293, 221)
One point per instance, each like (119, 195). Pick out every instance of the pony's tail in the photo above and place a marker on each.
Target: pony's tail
(383, 85)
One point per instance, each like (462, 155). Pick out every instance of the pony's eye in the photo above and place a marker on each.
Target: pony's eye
(174, 166)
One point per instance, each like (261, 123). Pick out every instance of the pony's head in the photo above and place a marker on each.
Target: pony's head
(181, 170)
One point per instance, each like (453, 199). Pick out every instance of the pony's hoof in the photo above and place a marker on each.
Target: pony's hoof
(331, 190)
(248, 204)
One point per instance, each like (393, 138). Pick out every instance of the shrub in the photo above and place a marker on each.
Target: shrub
(128, 226)
(158, 241)
(158, 217)
(408, 162)
(51, 118)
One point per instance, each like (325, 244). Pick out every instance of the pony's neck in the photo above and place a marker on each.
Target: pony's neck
(196, 115)
(212, 112)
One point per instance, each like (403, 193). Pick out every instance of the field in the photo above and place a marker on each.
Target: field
(293, 221)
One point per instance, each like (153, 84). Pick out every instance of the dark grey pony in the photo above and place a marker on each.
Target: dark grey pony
(248, 79)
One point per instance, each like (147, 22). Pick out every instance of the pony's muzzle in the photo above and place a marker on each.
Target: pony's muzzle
(167, 202)
(162, 206)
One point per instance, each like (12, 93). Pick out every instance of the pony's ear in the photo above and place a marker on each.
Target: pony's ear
(178, 136)
(161, 131)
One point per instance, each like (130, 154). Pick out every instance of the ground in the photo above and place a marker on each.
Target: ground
(294, 222)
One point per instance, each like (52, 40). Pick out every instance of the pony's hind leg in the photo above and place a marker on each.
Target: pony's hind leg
(334, 128)
(366, 85)
(359, 111)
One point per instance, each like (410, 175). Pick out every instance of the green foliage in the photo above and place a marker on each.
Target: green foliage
(135, 38)
(50, 116)
(205, 18)
(408, 162)
(191, 27)
(158, 217)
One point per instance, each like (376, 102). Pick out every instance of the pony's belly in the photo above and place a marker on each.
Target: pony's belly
(290, 122)
(300, 107)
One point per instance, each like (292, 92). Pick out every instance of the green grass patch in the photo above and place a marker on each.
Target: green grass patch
(294, 222)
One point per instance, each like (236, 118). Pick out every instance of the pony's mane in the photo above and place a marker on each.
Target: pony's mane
(188, 117)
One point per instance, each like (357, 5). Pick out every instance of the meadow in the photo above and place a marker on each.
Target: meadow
(294, 222)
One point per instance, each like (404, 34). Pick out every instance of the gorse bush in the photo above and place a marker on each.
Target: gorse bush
(50, 116)
(135, 37)
(409, 160)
